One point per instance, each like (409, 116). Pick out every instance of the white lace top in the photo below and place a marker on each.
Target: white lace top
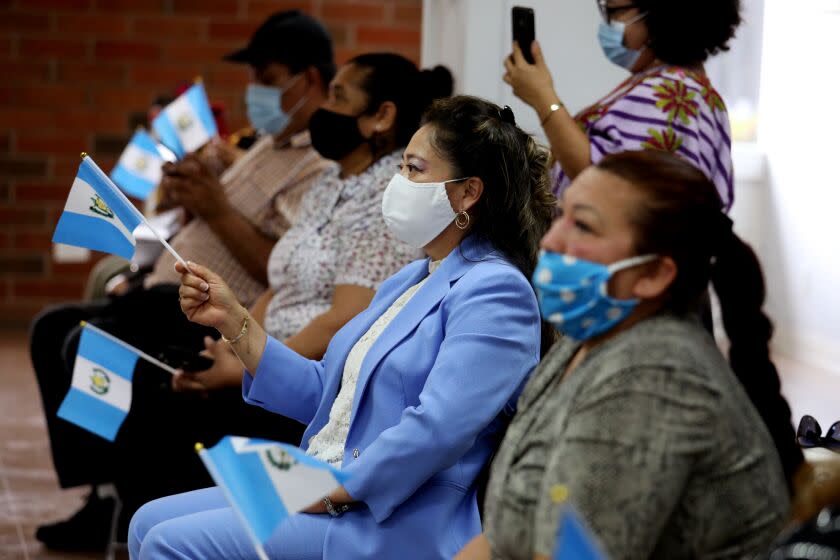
(328, 444)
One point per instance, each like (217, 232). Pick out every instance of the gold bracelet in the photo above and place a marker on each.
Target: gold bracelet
(554, 107)
(242, 332)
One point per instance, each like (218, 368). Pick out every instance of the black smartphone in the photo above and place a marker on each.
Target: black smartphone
(523, 30)
(187, 360)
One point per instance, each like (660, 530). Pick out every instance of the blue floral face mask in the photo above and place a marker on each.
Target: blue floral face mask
(264, 110)
(611, 38)
(573, 294)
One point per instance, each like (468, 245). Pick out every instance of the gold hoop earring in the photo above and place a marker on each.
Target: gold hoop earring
(462, 220)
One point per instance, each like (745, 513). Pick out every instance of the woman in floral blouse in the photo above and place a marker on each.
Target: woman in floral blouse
(666, 104)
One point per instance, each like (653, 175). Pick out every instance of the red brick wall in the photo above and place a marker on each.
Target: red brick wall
(76, 72)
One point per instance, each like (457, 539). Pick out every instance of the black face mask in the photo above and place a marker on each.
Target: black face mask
(334, 135)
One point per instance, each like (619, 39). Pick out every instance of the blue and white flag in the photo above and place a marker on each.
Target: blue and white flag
(97, 216)
(100, 394)
(138, 170)
(187, 123)
(266, 481)
(574, 540)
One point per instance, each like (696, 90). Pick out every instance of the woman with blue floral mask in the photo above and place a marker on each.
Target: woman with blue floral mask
(664, 449)
(666, 104)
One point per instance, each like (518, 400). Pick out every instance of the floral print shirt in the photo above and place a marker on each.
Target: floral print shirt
(339, 237)
(667, 108)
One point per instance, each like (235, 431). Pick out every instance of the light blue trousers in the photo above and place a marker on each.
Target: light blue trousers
(201, 524)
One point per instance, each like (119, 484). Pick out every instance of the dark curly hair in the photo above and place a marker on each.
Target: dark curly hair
(683, 34)
(479, 139)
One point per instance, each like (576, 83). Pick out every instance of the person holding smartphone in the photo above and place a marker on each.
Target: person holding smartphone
(668, 102)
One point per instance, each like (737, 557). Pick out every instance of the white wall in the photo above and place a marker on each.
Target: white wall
(472, 38)
(793, 216)
(787, 187)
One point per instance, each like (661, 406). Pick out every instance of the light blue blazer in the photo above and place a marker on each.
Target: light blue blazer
(432, 394)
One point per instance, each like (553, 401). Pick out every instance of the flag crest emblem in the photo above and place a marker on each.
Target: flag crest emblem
(185, 121)
(98, 206)
(100, 383)
(282, 462)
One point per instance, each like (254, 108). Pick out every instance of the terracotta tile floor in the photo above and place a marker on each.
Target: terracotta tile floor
(29, 494)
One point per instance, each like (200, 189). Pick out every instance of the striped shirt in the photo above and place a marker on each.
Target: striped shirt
(266, 186)
(667, 108)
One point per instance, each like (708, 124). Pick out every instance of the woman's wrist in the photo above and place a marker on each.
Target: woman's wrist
(234, 323)
(547, 105)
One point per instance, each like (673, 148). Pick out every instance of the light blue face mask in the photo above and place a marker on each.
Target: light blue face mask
(611, 37)
(572, 294)
(264, 109)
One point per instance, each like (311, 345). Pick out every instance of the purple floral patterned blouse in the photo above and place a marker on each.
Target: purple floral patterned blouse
(666, 108)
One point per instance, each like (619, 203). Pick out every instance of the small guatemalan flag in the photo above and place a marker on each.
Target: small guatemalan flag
(574, 539)
(266, 481)
(97, 215)
(138, 170)
(100, 394)
(187, 123)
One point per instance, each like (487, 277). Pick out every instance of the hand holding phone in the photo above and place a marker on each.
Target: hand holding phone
(525, 70)
(522, 20)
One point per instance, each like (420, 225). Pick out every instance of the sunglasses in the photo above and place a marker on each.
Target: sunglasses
(809, 434)
(608, 13)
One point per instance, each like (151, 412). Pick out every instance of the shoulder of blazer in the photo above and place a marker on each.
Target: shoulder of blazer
(471, 252)
(493, 271)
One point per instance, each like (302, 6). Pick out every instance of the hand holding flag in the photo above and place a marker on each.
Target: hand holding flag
(207, 300)
(265, 481)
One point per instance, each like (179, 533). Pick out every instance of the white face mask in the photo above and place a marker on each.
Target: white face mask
(416, 213)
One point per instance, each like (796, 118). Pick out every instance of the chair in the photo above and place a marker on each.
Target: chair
(113, 544)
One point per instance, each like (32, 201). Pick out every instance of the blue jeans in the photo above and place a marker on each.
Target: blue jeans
(201, 524)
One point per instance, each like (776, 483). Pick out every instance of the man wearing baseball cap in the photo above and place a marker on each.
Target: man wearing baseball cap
(237, 219)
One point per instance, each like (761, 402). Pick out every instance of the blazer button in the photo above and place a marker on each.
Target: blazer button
(355, 453)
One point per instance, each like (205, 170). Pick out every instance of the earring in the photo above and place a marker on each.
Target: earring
(462, 220)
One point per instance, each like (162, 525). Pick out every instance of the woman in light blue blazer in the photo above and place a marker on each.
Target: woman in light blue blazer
(412, 393)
